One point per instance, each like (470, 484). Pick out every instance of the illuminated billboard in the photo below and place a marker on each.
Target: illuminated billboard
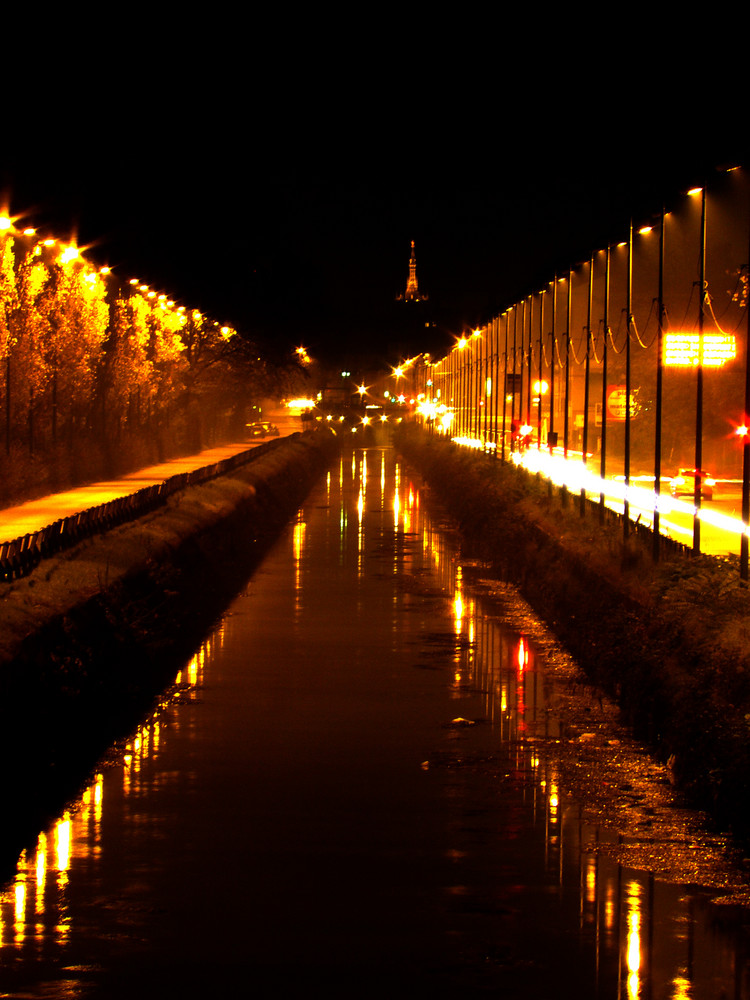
(617, 403)
(684, 349)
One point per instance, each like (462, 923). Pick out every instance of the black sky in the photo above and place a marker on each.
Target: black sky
(279, 188)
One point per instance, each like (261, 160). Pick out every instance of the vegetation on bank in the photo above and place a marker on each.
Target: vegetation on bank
(669, 641)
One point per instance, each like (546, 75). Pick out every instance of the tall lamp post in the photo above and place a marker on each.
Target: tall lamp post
(603, 465)
(659, 392)
(628, 380)
(587, 381)
(699, 375)
(461, 381)
(541, 364)
(566, 416)
(495, 379)
(477, 335)
(552, 434)
(505, 387)
(744, 541)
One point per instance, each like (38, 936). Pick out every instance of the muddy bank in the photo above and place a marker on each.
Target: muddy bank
(668, 642)
(91, 636)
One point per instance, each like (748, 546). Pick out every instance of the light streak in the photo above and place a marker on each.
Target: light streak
(573, 474)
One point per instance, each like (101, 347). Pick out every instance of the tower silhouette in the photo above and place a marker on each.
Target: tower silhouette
(412, 288)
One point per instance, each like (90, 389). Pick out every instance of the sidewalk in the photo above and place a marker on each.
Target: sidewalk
(36, 514)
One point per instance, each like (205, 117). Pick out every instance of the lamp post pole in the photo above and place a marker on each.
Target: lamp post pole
(531, 354)
(656, 541)
(495, 378)
(513, 377)
(699, 379)
(628, 389)
(744, 541)
(522, 358)
(505, 387)
(541, 376)
(603, 466)
(587, 378)
(568, 312)
(551, 432)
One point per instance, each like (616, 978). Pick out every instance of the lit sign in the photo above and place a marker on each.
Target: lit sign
(684, 349)
(617, 403)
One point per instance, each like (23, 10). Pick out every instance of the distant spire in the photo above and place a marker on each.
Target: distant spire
(412, 288)
(412, 291)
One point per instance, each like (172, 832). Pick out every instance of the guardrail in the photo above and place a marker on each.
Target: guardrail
(21, 555)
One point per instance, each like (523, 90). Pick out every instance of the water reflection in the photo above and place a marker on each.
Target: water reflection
(34, 909)
(633, 944)
(640, 936)
(299, 547)
(35, 914)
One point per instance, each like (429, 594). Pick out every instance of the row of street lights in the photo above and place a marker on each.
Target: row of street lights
(518, 384)
(65, 257)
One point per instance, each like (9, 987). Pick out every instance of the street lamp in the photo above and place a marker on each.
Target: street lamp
(699, 371)
(477, 334)
(460, 346)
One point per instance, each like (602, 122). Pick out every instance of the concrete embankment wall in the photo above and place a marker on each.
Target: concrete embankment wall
(93, 634)
(668, 642)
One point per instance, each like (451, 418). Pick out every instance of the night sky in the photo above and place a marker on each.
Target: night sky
(282, 197)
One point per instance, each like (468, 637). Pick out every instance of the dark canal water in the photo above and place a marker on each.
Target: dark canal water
(377, 776)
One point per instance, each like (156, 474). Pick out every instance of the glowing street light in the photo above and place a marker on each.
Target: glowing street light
(69, 254)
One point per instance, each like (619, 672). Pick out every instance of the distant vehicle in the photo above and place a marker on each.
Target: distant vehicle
(685, 481)
(261, 428)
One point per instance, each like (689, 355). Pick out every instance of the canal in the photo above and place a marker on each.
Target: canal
(378, 774)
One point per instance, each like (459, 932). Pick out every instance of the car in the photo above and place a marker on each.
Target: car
(685, 481)
(261, 428)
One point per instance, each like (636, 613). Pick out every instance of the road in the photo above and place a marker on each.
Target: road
(721, 526)
(36, 514)
(720, 517)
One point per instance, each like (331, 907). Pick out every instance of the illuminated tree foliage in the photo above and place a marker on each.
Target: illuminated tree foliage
(97, 376)
(8, 295)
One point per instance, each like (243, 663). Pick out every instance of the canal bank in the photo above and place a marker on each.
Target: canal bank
(93, 634)
(669, 642)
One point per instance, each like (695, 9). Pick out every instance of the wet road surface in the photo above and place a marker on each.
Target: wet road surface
(364, 783)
